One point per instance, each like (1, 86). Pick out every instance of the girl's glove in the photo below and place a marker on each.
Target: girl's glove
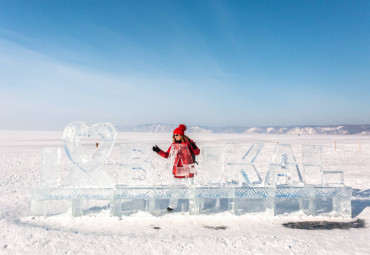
(193, 146)
(156, 148)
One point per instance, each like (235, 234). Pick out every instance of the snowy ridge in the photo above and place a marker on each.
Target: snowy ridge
(289, 130)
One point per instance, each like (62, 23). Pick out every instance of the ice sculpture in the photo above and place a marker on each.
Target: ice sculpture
(212, 165)
(88, 147)
(50, 167)
(250, 172)
(311, 160)
(226, 179)
(229, 167)
(239, 164)
(333, 178)
(283, 169)
(87, 184)
(136, 167)
(151, 186)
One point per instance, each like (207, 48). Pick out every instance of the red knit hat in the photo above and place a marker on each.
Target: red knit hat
(180, 130)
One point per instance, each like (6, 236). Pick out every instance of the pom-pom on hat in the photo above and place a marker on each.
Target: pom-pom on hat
(180, 130)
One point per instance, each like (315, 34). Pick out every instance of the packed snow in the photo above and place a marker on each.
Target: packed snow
(176, 233)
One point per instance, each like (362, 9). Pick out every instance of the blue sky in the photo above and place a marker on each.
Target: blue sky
(215, 63)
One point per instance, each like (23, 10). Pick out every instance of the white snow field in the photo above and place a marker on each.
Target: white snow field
(142, 233)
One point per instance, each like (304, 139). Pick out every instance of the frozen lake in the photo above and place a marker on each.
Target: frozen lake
(176, 233)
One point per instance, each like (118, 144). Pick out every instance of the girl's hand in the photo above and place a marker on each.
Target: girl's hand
(193, 145)
(156, 149)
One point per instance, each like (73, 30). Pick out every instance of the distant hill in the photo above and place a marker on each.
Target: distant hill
(292, 130)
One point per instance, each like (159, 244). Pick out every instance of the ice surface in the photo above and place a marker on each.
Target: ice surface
(50, 167)
(27, 234)
(311, 160)
(283, 169)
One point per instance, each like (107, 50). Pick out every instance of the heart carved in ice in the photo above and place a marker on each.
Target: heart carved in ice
(88, 146)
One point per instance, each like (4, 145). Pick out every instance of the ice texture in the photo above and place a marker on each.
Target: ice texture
(311, 155)
(311, 160)
(232, 164)
(212, 165)
(283, 169)
(87, 147)
(49, 201)
(97, 178)
(313, 200)
(333, 178)
(249, 171)
(136, 166)
(50, 167)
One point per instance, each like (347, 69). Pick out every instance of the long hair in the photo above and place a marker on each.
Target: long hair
(183, 139)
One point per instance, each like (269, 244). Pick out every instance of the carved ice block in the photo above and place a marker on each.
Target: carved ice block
(88, 147)
(213, 199)
(342, 206)
(239, 164)
(253, 200)
(333, 178)
(311, 160)
(50, 167)
(250, 172)
(136, 166)
(283, 169)
(211, 165)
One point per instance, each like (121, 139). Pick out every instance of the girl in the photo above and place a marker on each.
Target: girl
(179, 137)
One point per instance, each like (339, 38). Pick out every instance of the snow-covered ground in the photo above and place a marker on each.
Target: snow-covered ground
(176, 233)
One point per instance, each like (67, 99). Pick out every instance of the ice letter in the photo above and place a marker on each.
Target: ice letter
(283, 169)
(239, 164)
(136, 167)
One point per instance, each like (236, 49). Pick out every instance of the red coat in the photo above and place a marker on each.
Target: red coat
(179, 164)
